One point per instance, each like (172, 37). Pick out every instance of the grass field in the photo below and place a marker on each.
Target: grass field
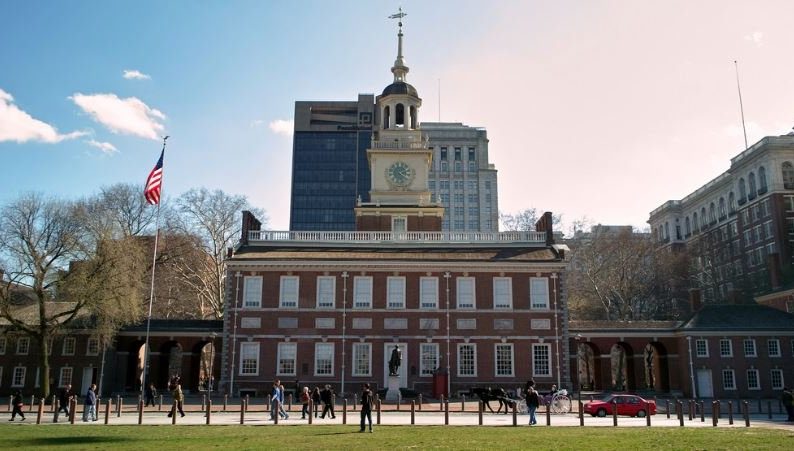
(387, 437)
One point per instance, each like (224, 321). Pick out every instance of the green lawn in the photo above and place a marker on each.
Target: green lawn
(399, 437)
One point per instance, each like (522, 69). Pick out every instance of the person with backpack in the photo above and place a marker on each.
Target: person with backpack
(366, 407)
(316, 401)
(533, 402)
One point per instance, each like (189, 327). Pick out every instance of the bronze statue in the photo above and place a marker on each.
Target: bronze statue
(395, 361)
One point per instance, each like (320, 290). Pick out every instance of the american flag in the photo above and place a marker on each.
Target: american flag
(155, 182)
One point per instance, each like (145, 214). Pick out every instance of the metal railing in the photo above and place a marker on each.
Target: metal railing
(397, 237)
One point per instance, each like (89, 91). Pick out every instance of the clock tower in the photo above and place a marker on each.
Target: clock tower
(399, 161)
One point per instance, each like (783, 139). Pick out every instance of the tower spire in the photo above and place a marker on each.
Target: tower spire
(399, 69)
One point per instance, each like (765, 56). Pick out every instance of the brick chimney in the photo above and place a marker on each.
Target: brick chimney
(249, 223)
(546, 224)
(695, 301)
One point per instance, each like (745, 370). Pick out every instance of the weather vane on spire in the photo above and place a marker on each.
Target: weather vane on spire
(399, 16)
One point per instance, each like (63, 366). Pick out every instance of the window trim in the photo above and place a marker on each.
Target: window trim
(509, 304)
(535, 372)
(474, 359)
(88, 346)
(496, 359)
(729, 354)
(284, 282)
(60, 376)
(257, 302)
(459, 281)
(64, 350)
(437, 354)
(25, 340)
(316, 355)
(733, 380)
(757, 379)
(705, 348)
(747, 341)
(356, 281)
(395, 304)
(280, 356)
(769, 351)
(772, 379)
(354, 363)
(332, 280)
(422, 293)
(252, 345)
(532, 297)
(3, 345)
(14, 376)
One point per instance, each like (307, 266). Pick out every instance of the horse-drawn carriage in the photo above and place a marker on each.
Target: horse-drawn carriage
(557, 401)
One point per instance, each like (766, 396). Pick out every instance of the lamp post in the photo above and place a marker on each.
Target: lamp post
(447, 275)
(238, 274)
(212, 361)
(556, 329)
(344, 325)
(578, 338)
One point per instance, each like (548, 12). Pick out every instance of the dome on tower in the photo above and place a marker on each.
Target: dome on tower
(400, 87)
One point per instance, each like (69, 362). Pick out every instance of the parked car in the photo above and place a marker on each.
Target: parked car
(631, 405)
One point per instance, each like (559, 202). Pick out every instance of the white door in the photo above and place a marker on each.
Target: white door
(88, 375)
(403, 370)
(705, 387)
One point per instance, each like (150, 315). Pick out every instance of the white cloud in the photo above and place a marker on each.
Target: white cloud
(105, 147)
(17, 125)
(282, 126)
(128, 116)
(756, 37)
(135, 75)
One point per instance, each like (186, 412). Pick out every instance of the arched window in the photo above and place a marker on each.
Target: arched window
(399, 115)
(742, 191)
(667, 230)
(751, 182)
(712, 213)
(788, 175)
(731, 202)
(413, 117)
(687, 226)
(703, 220)
(723, 213)
(762, 180)
(695, 222)
(386, 116)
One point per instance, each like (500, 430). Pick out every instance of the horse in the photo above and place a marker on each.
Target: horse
(493, 394)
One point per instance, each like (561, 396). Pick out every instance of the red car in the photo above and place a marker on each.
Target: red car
(631, 405)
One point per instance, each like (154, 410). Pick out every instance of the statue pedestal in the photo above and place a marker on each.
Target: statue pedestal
(393, 394)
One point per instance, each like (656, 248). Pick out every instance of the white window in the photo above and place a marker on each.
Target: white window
(541, 359)
(752, 380)
(504, 359)
(749, 348)
(323, 359)
(288, 296)
(66, 376)
(502, 293)
(429, 359)
(362, 359)
(467, 359)
(362, 292)
(92, 347)
(777, 379)
(395, 292)
(2, 345)
(539, 292)
(701, 348)
(249, 359)
(18, 378)
(728, 380)
(428, 292)
(399, 226)
(465, 293)
(68, 346)
(287, 355)
(726, 347)
(23, 345)
(252, 292)
(326, 289)
(774, 347)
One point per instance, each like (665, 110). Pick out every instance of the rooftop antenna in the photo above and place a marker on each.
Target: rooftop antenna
(741, 106)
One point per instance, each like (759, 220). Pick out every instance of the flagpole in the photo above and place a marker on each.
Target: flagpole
(151, 291)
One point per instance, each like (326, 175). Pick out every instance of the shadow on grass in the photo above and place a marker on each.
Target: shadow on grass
(66, 441)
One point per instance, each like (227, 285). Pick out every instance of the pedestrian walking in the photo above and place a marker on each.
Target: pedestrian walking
(281, 410)
(788, 402)
(275, 395)
(305, 398)
(89, 405)
(327, 396)
(150, 394)
(18, 403)
(65, 395)
(533, 401)
(316, 400)
(179, 397)
(366, 407)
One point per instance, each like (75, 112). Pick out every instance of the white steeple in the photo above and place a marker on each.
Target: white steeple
(399, 69)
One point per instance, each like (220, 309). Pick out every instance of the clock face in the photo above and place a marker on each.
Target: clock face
(400, 173)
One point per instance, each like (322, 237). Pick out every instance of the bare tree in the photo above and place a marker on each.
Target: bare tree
(118, 211)
(621, 276)
(214, 218)
(65, 275)
(524, 220)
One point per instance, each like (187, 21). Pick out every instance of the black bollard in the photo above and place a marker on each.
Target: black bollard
(344, 411)
(140, 411)
(248, 399)
(413, 412)
(420, 401)
(276, 410)
(446, 412)
(667, 408)
(581, 412)
(160, 404)
(441, 404)
(32, 402)
(463, 403)
(378, 404)
(702, 412)
(225, 401)
(746, 411)
(289, 403)
(730, 412)
(72, 410)
(40, 411)
(209, 410)
(399, 398)
(242, 411)
(614, 413)
(56, 410)
(648, 414)
(680, 410)
(173, 412)
(311, 410)
(515, 415)
(548, 413)
(119, 400)
(479, 411)
(107, 411)
(714, 413)
(691, 410)
(203, 402)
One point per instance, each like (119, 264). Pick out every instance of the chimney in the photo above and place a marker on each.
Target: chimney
(249, 223)
(694, 299)
(546, 224)
(773, 265)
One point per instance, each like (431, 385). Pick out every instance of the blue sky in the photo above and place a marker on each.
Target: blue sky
(633, 103)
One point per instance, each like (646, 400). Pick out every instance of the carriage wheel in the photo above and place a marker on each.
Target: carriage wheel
(522, 407)
(560, 404)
